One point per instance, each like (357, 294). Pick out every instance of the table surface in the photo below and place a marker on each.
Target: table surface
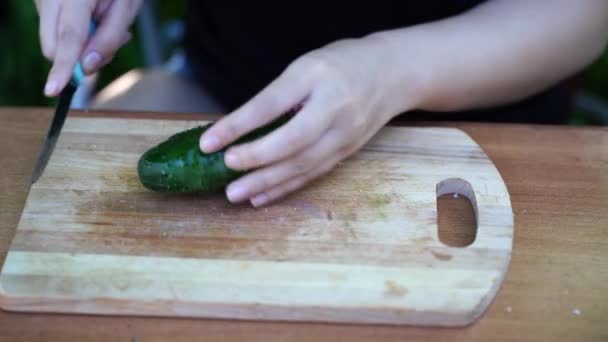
(556, 288)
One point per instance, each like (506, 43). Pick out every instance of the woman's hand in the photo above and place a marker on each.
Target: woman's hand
(64, 31)
(343, 100)
(499, 52)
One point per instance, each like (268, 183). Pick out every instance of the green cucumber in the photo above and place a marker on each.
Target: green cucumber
(177, 165)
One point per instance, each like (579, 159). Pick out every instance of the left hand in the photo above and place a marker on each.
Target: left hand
(341, 89)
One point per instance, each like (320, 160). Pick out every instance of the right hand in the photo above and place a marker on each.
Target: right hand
(64, 35)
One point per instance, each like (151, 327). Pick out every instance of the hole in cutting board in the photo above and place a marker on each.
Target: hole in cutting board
(456, 213)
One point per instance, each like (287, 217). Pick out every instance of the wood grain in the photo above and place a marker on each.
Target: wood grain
(359, 245)
(558, 181)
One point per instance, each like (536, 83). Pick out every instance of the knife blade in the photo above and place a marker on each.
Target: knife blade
(61, 112)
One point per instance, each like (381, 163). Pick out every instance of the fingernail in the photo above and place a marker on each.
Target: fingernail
(210, 143)
(259, 200)
(50, 89)
(91, 61)
(236, 193)
(231, 160)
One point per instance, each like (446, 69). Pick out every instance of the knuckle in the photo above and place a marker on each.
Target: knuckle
(314, 65)
(112, 47)
(305, 162)
(319, 65)
(249, 159)
(229, 130)
(273, 195)
(352, 120)
(69, 34)
(300, 166)
(344, 99)
(346, 103)
(262, 183)
(62, 60)
(358, 124)
(280, 191)
(295, 139)
(48, 51)
(346, 147)
(108, 44)
(264, 104)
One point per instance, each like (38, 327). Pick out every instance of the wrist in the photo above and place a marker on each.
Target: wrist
(405, 72)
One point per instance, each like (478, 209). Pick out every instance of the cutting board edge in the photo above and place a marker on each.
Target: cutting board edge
(249, 311)
(238, 312)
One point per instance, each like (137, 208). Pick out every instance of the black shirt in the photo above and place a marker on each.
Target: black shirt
(238, 47)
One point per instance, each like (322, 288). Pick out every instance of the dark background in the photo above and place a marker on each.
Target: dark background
(23, 69)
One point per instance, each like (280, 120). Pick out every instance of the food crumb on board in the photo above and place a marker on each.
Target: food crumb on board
(508, 309)
(576, 311)
(279, 219)
(524, 211)
(455, 195)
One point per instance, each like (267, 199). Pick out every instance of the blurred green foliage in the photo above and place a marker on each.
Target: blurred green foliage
(23, 69)
(595, 78)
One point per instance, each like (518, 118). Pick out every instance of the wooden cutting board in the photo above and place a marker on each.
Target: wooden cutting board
(359, 245)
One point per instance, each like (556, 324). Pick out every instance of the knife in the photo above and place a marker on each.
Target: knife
(61, 112)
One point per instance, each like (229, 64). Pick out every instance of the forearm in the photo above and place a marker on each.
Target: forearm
(499, 52)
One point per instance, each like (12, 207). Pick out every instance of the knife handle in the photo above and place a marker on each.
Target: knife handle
(78, 73)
